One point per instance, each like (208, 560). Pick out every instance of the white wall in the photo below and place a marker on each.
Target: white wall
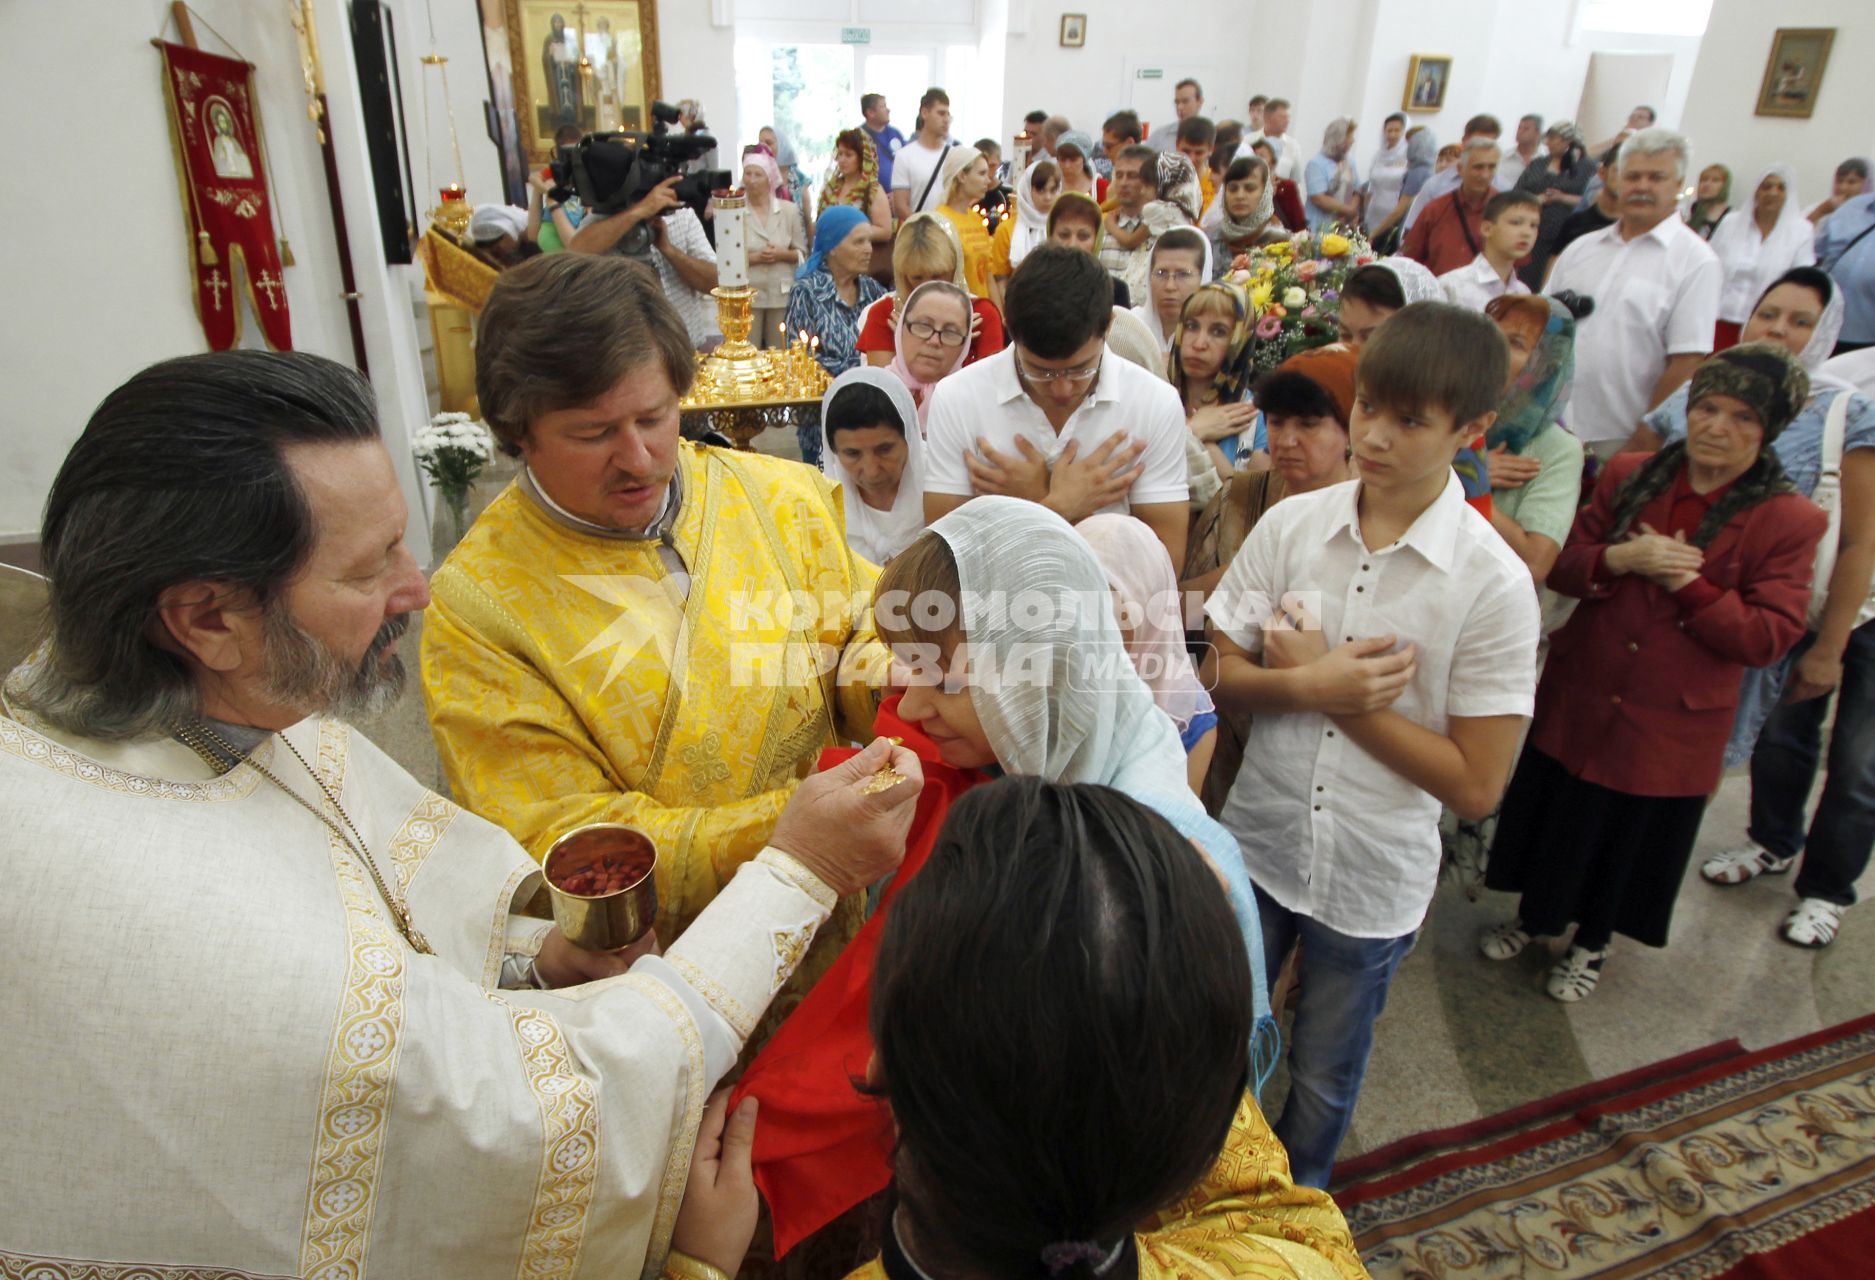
(697, 59)
(1090, 83)
(1725, 89)
(1328, 57)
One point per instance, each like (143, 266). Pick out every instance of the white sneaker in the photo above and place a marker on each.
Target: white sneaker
(1576, 975)
(1815, 923)
(1747, 862)
(1501, 942)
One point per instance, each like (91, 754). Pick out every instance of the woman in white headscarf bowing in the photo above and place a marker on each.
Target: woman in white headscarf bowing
(1004, 640)
(875, 452)
(1757, 247)
(1149, 607)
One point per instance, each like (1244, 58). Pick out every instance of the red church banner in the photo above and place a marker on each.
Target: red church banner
(224, 195)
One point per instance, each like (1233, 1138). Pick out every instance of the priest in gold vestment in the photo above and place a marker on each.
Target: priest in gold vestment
(271, 1008)
(639, 629)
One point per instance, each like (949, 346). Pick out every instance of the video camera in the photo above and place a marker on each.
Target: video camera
(613, 171)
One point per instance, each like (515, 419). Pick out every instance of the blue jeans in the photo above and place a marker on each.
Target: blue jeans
(1783, 765)
(1344, 983)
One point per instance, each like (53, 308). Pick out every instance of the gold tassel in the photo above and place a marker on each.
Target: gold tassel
(205, 249)
(286, 253)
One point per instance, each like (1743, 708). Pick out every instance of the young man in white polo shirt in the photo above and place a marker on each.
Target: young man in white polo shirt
(1655, 286)
(1385, 639)
(1057, 418)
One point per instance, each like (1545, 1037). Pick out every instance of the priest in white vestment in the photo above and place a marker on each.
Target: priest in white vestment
(271, 1008)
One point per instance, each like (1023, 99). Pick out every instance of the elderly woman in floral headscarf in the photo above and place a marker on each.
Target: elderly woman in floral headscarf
(1691, 565)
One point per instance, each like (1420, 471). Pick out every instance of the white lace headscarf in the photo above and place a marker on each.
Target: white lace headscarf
(1058, 696)
(1416, 281)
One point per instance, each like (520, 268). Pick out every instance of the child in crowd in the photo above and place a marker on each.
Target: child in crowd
(1036, 193)
(1385, 641)
(1076, 222)
(1509, 226)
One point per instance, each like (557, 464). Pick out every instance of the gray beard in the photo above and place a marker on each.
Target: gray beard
(302, 673)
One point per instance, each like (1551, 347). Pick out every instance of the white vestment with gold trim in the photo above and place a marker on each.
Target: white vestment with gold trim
(221, 1059)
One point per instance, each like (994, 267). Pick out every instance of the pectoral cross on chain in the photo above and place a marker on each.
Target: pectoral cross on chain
(216, 286)
(269, 284)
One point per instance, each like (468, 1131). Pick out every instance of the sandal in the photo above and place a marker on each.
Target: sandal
(1747, 862)
(1814, 924)
(1576, 975)
(1501, 942)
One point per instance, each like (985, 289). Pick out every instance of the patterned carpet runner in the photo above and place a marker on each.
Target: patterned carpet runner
(1721, 1163)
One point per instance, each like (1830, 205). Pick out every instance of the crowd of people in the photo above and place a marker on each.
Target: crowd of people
(1158, 670)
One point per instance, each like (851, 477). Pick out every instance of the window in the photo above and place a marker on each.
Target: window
(1645, 17)
(805, 91)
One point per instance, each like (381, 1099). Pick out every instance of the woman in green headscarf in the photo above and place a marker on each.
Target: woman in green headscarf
(1711, 200)
(1535, 468)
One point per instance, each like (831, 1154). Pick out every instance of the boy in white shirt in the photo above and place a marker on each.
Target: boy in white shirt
(1056, 417)
(1385, 639)
(1509, 227)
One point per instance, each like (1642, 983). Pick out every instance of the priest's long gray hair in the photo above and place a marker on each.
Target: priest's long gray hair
(180, 476)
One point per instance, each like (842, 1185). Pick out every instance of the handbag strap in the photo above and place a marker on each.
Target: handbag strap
(1843, 252)
(936, 169)
(1834, 424)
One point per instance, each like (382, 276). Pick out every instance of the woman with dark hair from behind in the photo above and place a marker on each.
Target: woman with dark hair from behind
(1061, 1009)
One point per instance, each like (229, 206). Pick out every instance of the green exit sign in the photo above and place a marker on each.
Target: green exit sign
(1152, 73)
(855, 35)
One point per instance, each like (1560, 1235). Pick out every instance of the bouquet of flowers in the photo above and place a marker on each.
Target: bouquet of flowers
(1294, 289)
(452, 451)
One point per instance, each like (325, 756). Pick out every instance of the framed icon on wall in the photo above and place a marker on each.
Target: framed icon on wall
(1794, 71)
(1426, 80)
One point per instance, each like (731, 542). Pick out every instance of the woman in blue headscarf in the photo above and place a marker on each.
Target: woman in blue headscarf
(831, 293)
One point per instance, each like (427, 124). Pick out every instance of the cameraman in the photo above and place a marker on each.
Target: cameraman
(682, 256)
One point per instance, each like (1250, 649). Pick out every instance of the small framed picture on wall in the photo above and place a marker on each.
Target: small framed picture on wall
(1426, 79)
(1794, 72)
(1073, 30)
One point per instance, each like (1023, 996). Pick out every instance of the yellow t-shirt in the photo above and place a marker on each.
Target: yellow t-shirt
(999, 247)
(976, 242)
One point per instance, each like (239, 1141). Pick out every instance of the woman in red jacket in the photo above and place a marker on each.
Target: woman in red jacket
(1691, 564)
